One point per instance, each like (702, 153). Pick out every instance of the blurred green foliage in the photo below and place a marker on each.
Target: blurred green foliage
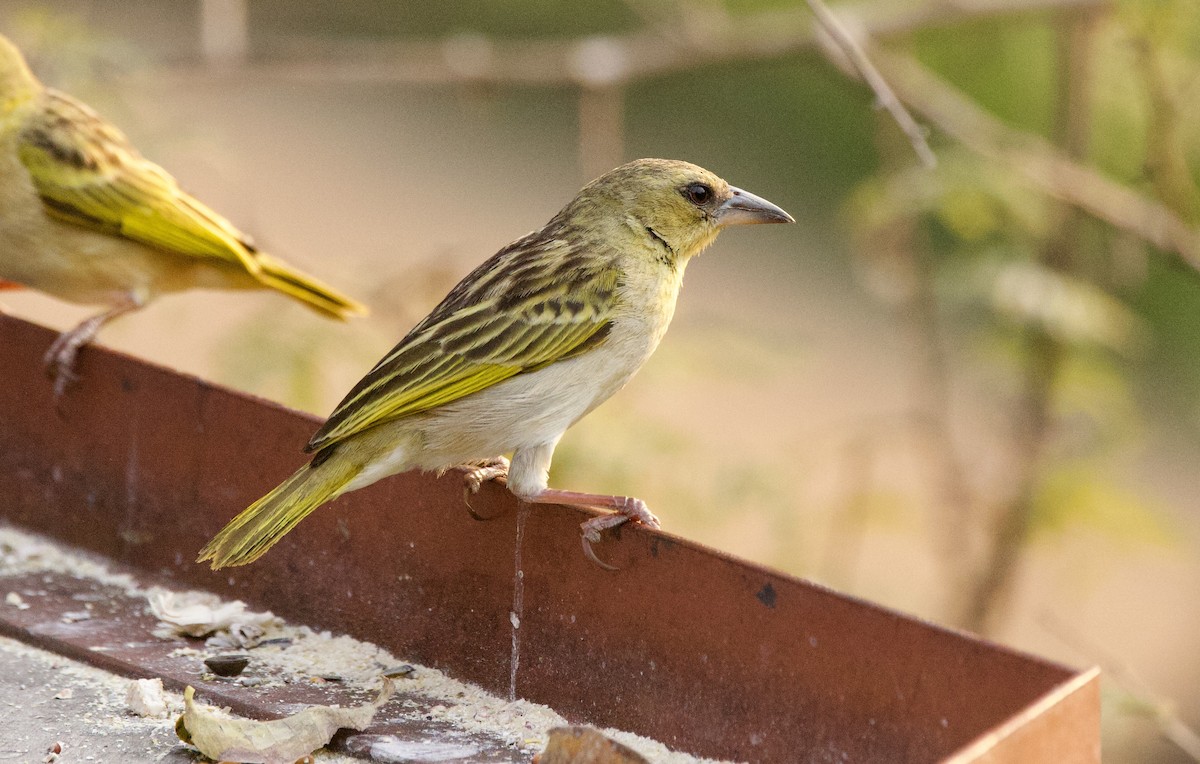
(1127, 317)
(519, 19)
(1008, 68)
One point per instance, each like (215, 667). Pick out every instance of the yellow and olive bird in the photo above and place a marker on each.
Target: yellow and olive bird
(85, 218)
(528, 343)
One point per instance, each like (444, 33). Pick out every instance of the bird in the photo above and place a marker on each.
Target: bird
(84, 217)
(524, 346)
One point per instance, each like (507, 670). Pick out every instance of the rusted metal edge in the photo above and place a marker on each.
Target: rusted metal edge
(700, 650)
(1073, 711)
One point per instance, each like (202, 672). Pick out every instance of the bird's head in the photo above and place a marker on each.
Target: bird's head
(16, 81)
(673, 205)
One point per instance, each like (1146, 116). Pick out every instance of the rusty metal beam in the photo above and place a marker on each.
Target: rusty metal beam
(705, 652)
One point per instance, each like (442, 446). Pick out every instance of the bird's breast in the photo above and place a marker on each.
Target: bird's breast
(537, 407)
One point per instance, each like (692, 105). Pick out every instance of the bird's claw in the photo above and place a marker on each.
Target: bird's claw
(478, 473)
(60, 363)
(590, 553)
(632, 509)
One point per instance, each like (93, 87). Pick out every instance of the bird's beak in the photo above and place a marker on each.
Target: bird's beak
(744, 208)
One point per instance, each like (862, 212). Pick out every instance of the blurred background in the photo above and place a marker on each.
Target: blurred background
(969, 392)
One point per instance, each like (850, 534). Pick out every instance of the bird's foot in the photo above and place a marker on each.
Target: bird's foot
(478, 473)
(632, 509)
(60, 360)
(60, 357)
(625, 508)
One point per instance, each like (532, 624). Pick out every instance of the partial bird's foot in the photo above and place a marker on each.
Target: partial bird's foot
(625, 508)
(629, 508)
(60, 358)
(478, 473)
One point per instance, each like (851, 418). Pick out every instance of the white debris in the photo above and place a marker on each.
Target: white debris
(22, 552)
(16, 601)
(287, 654)
(145, 698)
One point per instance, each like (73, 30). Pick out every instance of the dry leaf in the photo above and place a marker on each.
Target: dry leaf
(280, 741)
(199, 614)
(586, 745)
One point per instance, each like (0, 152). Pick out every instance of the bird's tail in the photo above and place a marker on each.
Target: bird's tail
(324, 299)
(249, 535)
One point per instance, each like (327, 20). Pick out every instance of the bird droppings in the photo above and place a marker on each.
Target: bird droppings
(518, 606)
(457, 717)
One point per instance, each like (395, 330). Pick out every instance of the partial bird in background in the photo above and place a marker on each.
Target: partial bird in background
(527, 344)
(85, 218)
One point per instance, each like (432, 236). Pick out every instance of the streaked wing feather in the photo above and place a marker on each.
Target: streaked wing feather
(88, 173)
(533, 304)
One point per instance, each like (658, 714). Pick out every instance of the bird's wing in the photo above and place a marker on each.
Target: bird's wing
(520, 311)
(87, 173)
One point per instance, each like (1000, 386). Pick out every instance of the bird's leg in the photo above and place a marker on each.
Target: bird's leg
(625, 508)
(478, 473)
(60, 358)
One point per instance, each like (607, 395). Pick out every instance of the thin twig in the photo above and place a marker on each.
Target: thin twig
(1041, 164)
(857, 56)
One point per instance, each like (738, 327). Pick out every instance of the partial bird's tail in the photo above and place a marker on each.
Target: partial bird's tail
(324, 299)
(249, 535)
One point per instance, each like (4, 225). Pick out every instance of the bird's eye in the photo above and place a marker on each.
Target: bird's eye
(698, 193)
